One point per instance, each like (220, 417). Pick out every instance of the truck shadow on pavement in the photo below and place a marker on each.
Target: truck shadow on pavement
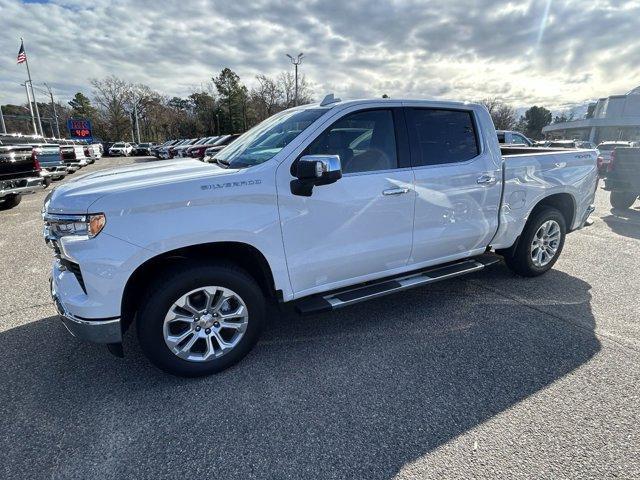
(359, 393)
(624, 222)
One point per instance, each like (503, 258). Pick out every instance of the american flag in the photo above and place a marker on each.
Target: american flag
(22, 57)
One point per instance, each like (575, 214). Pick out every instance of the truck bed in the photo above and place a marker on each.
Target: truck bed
(529, 174)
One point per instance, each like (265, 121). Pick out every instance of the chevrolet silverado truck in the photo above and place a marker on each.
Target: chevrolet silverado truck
(623, 177)
(19, 174)
(365, 198)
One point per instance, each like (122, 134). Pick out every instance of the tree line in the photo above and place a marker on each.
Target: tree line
(118, 109)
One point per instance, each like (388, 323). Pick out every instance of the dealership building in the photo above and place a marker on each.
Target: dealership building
(614, 118)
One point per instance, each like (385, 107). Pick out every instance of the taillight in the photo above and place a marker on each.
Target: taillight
(612, 161)
(36, 162)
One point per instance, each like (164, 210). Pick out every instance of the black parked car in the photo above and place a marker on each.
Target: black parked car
(143, 148)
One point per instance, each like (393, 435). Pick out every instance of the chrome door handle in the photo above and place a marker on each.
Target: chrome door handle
(395, 191)
(486, 179)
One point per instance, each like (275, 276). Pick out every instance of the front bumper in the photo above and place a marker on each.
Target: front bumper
(92, 330)
(20, 186)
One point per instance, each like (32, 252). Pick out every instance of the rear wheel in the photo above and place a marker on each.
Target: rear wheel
(201, 319)
(622, 200)
(540, 244)
(47, 182)
(10, 201)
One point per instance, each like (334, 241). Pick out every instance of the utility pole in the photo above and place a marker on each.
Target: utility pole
(296, 61)
(55, 114)
(26, 62)
(33, 120)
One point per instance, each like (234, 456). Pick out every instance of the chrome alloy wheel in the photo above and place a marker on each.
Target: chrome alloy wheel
(545, 243)
(205, 323)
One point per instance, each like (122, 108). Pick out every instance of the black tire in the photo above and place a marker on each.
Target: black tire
(622, 200)
(520, 260)
(10, 201)
(174, 283)
(47, 181)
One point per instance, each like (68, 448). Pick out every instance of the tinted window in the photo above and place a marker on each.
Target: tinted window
(441, 136)
(365, 141)
(519, 139)
(501, 138)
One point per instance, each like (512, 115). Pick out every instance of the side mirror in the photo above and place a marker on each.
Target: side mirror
(315, 170)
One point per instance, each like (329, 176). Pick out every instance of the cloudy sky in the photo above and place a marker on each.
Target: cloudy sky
(550, 52)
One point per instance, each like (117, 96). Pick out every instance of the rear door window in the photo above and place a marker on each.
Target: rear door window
(440, 136)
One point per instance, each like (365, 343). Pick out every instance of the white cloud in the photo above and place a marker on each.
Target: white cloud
(463, 50)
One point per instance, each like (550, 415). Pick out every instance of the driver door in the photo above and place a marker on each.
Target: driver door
(360, 227)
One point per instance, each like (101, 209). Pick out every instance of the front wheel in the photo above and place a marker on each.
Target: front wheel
(622, 200)
(201, 320)
(540, 244)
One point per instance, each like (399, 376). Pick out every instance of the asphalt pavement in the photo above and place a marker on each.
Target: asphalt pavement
(486, 376)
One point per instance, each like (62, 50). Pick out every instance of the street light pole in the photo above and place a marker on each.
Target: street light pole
(296, 61)
(55, 114)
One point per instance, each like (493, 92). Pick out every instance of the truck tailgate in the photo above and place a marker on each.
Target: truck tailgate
(16, 162)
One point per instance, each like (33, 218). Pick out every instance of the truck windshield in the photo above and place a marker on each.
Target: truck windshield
(266, 139)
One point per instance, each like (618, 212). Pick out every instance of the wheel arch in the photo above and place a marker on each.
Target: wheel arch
(244, 255)
(564, 202)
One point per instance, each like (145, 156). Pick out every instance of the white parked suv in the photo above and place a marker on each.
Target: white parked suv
(122, 149)
(364, 198)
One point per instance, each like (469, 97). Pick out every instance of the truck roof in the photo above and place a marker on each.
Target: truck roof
(392, 101)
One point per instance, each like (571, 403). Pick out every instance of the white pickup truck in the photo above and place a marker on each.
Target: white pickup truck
(358, 200)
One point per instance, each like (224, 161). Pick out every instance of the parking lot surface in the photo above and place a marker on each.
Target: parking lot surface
(485, 376)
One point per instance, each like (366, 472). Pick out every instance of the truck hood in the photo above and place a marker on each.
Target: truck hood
(77, 195)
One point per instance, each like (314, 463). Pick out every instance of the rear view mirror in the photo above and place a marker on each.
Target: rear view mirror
(315, 170)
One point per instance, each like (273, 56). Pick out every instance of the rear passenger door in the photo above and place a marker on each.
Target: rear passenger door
(457, 182)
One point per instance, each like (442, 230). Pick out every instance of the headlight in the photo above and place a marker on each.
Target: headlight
(79, 225)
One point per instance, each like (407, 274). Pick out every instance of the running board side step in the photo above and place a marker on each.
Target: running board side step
(332, 301)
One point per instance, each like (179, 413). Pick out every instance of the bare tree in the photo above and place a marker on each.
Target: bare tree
(113, 97)
(286, 81)
(267, 98)
(491, 103)
(504, 117)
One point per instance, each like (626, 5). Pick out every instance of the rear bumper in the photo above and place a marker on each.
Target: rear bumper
(92, 330)
(21, 186)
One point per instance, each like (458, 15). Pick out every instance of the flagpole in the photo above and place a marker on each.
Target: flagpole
(33, 120)
(33, 94)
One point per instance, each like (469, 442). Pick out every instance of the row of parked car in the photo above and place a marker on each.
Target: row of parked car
(29, 163)
(202, 148)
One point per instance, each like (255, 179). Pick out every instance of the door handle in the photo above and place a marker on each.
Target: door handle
(395, 191)
(486, 179)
